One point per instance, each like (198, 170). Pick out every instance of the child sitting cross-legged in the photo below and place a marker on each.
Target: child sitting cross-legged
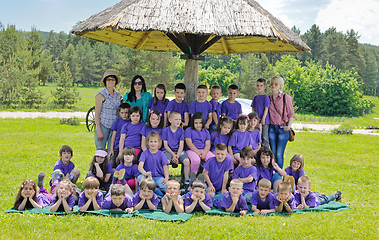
(91, 198)
(197, 199)
(262, 201)
(127, 172)
(284, 200)
(172, 199)
(233, 201)
(118, 200)
(306, 199)
(145, 198)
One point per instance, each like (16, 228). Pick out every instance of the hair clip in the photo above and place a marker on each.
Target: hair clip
(244, 116)
(152, 111)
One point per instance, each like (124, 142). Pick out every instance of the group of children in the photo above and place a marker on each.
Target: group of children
(215, 136)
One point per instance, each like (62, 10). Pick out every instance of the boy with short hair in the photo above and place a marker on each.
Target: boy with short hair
(117, 200)
(306, 199)
(202, 105)
(172, 200)
(145, 198)
(178, 104)
(284, 200)
(233, 201)
(64, 167)
(216, 171)
(173, 145)
(230, 107)
(197, 199)
(246, 172)
(216, 93)
(123, 111)
(91, 198)
(260, 105)
(262, 201)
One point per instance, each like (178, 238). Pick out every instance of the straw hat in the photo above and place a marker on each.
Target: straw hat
(108, 73)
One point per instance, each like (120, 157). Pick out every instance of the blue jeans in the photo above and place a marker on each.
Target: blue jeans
(265, 138)
(324, 199)
(106, 142)
(160, 189)
(278, 141)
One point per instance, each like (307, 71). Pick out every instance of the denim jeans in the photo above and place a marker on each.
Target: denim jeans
(106, 142)
(160, 189)
(278, 141)
(265, 138)
(324, 199)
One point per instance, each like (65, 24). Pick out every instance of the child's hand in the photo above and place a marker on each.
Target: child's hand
(257, 212)
(111, 153)
(150, 196)
(94, 194)
(223, 191)
(202, 155)
(243, 212)
(120, 155)
(141, 196)
(280, 200)
(175, 159)
(87, 195)
(169, 196)
(250, 178)
(202, 198)
(211, 189)
(129, 210)
(206, 126)
(96, 164)
(23, 193)
(194, 198)
(300, 206)
(165, 180)
(263, 212)
(235, 198)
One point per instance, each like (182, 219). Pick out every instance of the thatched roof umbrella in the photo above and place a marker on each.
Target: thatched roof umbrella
(193, 27)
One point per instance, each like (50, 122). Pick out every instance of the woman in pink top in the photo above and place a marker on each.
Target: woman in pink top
(280, 122)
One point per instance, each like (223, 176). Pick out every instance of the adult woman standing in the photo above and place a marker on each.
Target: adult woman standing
(107, 102)
(280, 122)
(138, 96)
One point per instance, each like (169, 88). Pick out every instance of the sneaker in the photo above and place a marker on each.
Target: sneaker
(187, 184)
(41, 176)
(338, 195)
(192, 177)
(57, 175)
(201, 177)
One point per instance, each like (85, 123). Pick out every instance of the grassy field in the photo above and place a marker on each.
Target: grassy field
(347, 163)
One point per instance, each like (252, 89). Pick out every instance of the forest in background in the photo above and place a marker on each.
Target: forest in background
(330, 81)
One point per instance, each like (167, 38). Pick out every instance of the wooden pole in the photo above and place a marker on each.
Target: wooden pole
(191, 79)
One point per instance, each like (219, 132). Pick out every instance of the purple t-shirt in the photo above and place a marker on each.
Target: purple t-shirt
(180, 107)
(216, 107)
(70, 201)
(108, 204)
(311, 200)
(218, 139)
(226, 201)
(241, 172)
(173, 138)
(65, 169)
(291, 202)
(117, 126)
(259, 103)
(133, 134)
(239, 140)
(268, 203)
(204, 107)
(159, 106)
(146, 130)
(256, 138)
(154, 162)
(198, 137)
(136, 199)
(130, 172)
(109, 170)
(83, 200)
(232, 110)
(188, 201)
(217, 169)
(265, 173)
(296, 175)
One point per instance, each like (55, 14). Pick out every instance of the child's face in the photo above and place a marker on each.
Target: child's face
(90, 191)
(66, 157)
(153, 143)
(283, 194)
(263, 192)
(303, 188)
(216, 94)
(175, 120)
(100, 160)
(220, 155)
(180, 93)
(135, 117)
(173, 188)
(124, 113)
(147, 193)
(265, 160)
(295, 165)
(202, 94)
(159, 93)
(261, 87)
(253, 122)
(246, 162)
(28, 190)
(117, 199)
(64, 190)
(154, 120)
(236, 189)
(233, 94)
(198, 192)
(242, 126)
(226, 128)
(198, 124)
(128, 159)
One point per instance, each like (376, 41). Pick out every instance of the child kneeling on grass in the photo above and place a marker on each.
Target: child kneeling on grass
(145, 198)
(262, 201)
(197, 199)
(306, 199)
(118, 200)
(172, 200)
(284, 200)
(91, 198)
(233, 201)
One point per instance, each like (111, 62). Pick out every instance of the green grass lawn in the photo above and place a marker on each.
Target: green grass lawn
(347, 163)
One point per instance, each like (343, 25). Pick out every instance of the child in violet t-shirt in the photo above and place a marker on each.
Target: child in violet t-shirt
(240, 138)
(123, 112)
(296, 168)
(63, 199)
(202, 105)
(179, 105)
(145, 198)
(230, 107)
(131, 132)
(127, 172)
(91, 198)
(284, 201)
(260, 105)
(154, 123)
(197, 199)
(159, 102)
(65, 165)
(27, 196)
(262, 201)
(223, 132)
(233, 201)
(118, 200)
(101, 169)
(254, 132)
(216, 93)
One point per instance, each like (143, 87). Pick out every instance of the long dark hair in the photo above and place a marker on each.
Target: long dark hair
(103, 166)
(132, 94)
(159, 114)
(265, 151)
(19, 198)
(197, 115)
(155, 99)
(221, 121)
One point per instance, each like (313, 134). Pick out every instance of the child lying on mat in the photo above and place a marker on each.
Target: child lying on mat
(172, 200)
(233, 201)
(197, 199)
(118, 200)
(262, 201)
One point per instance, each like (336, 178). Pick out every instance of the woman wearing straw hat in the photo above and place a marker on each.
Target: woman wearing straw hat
(138, 96)
(107, 102)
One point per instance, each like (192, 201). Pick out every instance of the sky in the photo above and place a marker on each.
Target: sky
(62, 15)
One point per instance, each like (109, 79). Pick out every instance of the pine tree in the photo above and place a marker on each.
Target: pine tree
(65, 95)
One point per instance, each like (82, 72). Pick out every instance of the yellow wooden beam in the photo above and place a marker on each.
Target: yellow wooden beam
(224, 46)
(142, 41)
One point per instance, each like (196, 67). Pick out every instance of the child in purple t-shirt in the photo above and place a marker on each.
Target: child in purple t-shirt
(255, 133)
(197, 199)
(198, 141)
(260, 105)
(262, 201)
(216, 171)
(27, 196)
(91, 198)
(216, 93)
(123, 112)
(65, 165)
(154, 123)
(284, 200)
(63, 199)
(101, 169)
(202, 105)
(223, 132)
(179, 105)
(233, 201)
(118, 201)
(127, 172)
(230, 107)
(159, 101)
(240, 138)
(145, 198)
(296, 168)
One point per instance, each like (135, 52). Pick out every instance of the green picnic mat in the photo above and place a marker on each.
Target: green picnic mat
(158, 214)
(45, 210)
